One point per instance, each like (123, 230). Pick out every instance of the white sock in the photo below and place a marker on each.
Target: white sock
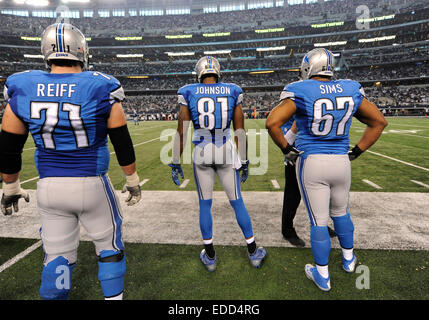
(323, 270)
(347, 253)
(118, 297)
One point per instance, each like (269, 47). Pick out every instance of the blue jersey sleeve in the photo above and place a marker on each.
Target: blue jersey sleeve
(13, 88)
(182, 96)
(238, 93)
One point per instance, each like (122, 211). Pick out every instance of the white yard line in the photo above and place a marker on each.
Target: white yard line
(275, 184)
(411, 135)
(420, 183)
(184, 184)
(20, 256)
(397, 160)
(372, 184)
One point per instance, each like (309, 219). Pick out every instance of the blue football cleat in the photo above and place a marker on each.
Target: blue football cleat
(349, 265)
(257, 257)
(311, 272)
(210, 264)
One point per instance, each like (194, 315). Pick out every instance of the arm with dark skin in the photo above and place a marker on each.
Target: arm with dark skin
(369, 114)
(277, 117)
(183, 121)
(240, 132)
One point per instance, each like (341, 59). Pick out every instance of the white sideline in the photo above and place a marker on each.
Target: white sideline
(20, 256)
(372, 184)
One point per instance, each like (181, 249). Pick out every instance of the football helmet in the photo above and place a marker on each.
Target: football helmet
(64, 41)
(207, 65)
(317, 62)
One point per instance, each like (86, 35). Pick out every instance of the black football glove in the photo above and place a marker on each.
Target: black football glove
(354, 153)
(291, 154)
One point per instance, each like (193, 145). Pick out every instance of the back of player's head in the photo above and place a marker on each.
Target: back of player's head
(61, 42)
(318, 62)
(207, 66)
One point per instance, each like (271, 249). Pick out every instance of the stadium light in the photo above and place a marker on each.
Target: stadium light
(261, 72)
(130, 55)
(36, 3)
(179, 54)
(137, 77)
(179, 36)
(31, 38)
(216, 34)
(128, 38)
(77, 1)
(377, 39)
(328, 24)
(271, 49)
(217, 52)
(33, 56)
(329, 44)
(270, 30)
(392, 16)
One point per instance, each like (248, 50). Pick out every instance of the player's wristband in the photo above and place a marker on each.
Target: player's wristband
(356, 151)
(11, 188)
(133, 180)
(290, 137)
(288, 149)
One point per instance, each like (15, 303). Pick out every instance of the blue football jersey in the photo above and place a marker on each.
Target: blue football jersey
(67, 117)
(324, 113)
(211, 107)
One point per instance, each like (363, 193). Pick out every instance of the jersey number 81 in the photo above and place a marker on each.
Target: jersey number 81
(207, 109)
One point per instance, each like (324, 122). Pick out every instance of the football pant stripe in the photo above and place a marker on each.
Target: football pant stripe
(115, 213)
(301, 162)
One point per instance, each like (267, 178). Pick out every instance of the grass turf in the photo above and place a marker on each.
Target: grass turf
(174, 272)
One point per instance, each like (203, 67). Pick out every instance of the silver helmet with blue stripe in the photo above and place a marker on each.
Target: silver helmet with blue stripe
(318, 62)
(207, 65)
(66, 42)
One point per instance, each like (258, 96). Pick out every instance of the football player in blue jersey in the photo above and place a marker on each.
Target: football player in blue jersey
(135, 117)
(70, 114)
(324, 107)
(212, 106)
(292, 195)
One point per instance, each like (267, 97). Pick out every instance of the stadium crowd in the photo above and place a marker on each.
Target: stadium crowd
(233, 21)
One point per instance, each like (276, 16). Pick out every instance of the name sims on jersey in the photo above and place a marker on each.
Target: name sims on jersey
(333, 88)
(213, 90)
(55, 90)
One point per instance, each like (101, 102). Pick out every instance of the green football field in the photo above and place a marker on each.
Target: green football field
(399, 162)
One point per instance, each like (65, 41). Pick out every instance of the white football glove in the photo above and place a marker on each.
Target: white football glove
(12, 192)
(133, 187)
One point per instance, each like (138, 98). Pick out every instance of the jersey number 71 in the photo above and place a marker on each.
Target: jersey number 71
(51, 121)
